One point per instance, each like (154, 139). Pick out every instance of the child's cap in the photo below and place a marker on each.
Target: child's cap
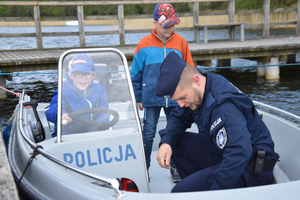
(170, 73)
(165, 15)
(81, 63)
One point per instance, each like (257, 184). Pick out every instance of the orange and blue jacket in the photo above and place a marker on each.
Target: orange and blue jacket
(148, 57)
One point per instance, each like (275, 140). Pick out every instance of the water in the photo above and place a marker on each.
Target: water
(283, 93)
(113, 39)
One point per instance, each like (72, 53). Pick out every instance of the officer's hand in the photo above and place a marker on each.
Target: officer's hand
(164, 155)
(140, 106)
(66, 118)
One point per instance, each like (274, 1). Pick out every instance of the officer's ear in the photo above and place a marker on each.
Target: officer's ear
(196, 81)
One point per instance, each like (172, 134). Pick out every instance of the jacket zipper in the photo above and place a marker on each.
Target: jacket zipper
(88, 103)
(165, 55)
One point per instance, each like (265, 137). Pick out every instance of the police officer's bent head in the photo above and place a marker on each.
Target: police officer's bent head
(181, 82)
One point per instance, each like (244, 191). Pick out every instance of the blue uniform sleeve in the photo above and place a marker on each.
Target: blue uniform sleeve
(180, 119)
(233, 143)
(136, 74)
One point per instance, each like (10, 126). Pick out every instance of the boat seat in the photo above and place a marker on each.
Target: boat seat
(47, 125)
(29, 119)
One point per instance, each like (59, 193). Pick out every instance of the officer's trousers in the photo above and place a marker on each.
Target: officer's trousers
(195, 164)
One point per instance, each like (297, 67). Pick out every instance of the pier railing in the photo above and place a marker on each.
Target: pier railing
(121, 18)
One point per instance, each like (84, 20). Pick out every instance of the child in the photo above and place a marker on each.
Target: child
(149, 54)
(79, 92)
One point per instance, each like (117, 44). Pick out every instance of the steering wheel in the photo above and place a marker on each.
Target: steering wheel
(93, 125)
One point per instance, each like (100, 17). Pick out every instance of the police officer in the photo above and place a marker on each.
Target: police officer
(233, 148)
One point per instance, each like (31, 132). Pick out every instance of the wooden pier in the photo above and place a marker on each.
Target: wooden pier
(261, 50)
(195, 21)
(8, 189)
(253, 49)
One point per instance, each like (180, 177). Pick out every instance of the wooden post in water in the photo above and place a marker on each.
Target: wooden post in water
(3, 94)
(298, 18)
(38, 29)
(121, 24)
(266, 30)
(272, 72)
(260, 71)
(80, 17)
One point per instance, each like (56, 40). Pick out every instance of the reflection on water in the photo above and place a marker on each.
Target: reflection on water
(39, 86)
(112, 39)
(283, 93)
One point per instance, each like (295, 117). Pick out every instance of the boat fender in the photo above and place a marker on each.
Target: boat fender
(37, 129)
(6, 133)
(128, 185)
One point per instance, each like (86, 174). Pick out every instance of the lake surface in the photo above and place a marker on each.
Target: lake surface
(112, 39)
(284, 93)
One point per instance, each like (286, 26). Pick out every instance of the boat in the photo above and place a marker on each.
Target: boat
(110, 163)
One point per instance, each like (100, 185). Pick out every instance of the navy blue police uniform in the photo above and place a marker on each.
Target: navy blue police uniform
(230, 133)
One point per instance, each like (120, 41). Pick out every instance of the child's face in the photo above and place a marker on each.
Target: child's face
(82, 80)
(163, 33)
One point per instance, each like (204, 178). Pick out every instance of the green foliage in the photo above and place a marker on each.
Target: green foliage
(135, 9)
(283, 4)
(249, 5)
(148, 8)
(258, 4)
(2, 10)
(183, 7)
(207, 6)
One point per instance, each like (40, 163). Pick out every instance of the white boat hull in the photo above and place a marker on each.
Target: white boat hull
(86, 165)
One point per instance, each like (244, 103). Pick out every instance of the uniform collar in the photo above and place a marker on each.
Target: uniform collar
(208, 98)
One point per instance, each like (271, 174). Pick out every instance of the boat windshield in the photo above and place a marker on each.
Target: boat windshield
(95, 92)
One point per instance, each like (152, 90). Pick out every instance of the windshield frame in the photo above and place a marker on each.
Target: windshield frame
(60, 83)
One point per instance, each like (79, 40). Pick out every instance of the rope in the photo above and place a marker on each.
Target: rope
(17, 94)
(20, 73)
(249, 66)
(34, 153)
(225, 67)
(15, 111)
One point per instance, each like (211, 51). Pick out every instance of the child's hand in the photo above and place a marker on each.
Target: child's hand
(140, 106)
(66, 118)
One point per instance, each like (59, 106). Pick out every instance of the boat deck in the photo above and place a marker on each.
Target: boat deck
(160, 178)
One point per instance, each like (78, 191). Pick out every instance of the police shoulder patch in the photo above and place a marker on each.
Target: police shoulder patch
(221, 138)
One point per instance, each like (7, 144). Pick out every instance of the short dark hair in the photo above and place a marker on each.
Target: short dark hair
(187, 76)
